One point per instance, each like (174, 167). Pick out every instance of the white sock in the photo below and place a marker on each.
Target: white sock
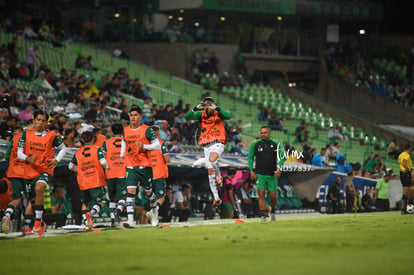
(216, 167)
(213, 187)
(121, 205)
(130, 208)
(95, 209)
(112, 207)
(38, 214)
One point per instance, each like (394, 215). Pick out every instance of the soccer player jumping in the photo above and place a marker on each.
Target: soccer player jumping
(212, 138)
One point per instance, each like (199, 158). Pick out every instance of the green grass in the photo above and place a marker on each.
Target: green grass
(342, 244)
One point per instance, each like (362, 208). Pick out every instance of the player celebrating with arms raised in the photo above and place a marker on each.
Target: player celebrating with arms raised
(212, 139)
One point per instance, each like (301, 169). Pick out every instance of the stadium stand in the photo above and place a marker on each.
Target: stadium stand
(241, 101)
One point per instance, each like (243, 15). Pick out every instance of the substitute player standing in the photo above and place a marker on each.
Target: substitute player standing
(115, 176)
(212, 139)
(266, 171)
(139, 140)
(404, 159)
(159, 160)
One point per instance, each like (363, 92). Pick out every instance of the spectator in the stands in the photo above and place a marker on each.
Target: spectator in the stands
(4, 73)
(165, 133)
(13, 49)
(125, 113)
(173, 145)
(41, 82)
(169, 115)
(15, 99)
(7, 128)
(180, 120)
(26, 114)
(31, 60)
(329, 155)
(276, 123)
(262, 114)
(189, 130)
(93, 91)
(5, 98)
(342, 165)
(118, 52)
(334, 133)
(103, 114)
(92, 113)
(319, 158)
(335, 149)
(22, 72)
(299, 130)
(392, 149)
(29, 33)
(370, 166)
(238, 147)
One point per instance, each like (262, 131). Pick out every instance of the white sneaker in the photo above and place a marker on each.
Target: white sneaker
(129, 224)
(154, 221)
(263, 218)
(149, 215)
(272, 217)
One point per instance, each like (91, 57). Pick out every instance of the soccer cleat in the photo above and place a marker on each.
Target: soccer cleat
(5, 224)
(219, 182)
(42, 229)
(89, 223)
(149, 215)
(272, 217)
(27, 231)
(263, 218)
(113, 223)
(37, 226)
(216, 204)
(129, 224)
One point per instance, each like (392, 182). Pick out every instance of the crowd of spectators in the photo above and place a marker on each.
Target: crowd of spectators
(388, 74)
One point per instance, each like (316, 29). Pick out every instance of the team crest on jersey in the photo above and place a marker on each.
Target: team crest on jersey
(260, 149)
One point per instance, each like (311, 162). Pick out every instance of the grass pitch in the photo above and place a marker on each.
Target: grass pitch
(379, 243)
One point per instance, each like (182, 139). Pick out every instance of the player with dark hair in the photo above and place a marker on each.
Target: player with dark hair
(266, 171)
(89, 162)
(404, 159)
(115, 177)
(226, 194)
(139, 140)
(212, 138)
(37, 148)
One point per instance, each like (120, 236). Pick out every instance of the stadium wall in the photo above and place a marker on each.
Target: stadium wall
(363, 102)
(174, 58)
